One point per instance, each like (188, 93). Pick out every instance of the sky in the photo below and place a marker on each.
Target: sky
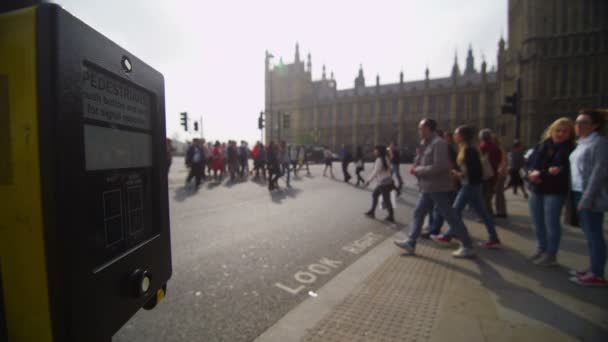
(211, 53)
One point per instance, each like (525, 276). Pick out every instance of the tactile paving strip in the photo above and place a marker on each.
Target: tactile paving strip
(398, 302)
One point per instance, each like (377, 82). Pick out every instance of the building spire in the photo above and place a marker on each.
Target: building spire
(470, 66)
(455, 67)
(309, 63)
(297, 59)
(426, 73)
(324, 71)
(360, 80)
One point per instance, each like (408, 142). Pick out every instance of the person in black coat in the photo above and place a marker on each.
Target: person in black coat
(347, 158)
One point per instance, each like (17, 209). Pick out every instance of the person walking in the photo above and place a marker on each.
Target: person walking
(194, 160)
(515, 165)
(491, 153)
(243, 159)
(218, 162)
(284, 161)
(274, 171)
(549, 175)
(347, 158)
(303, 159)
(292, 151)
(435, 221)
(382, 173)
(260, 161)
(328, 156)
(469, 173)
(589, 184)
(233, 160)
(432, 169)
(395, 162)
(501, 177)
(360, 165)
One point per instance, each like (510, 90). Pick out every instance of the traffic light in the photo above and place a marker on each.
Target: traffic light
(196, 126)
(261, 121)
(184, 120)
(510, 106)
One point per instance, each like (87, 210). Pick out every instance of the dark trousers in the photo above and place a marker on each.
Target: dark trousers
(196, 171)
(345, 171)
(360, 179)
(385, 191)
(273, 176)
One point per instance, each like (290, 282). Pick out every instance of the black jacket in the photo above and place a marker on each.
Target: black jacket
(546, 155)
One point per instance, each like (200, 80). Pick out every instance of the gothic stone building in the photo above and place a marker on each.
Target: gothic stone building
(557, 52)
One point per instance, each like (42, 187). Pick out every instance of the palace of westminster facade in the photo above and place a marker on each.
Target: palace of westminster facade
(557, 51)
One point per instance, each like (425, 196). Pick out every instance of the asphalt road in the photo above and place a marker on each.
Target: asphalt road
(244, 257)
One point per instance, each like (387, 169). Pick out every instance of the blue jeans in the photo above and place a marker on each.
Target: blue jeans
(546, 211)
(397, 174)
(592, 224)
(471, 194)
(444, 205)
(435, 218)
(285, 170)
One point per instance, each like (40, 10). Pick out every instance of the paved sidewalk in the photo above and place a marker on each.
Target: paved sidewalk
(499, 296)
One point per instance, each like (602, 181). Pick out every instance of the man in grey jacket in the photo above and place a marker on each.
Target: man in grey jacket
(432, 168)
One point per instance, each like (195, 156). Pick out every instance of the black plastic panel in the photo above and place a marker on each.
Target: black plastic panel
(110, 212)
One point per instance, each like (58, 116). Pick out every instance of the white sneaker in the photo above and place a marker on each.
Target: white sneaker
(463, 252)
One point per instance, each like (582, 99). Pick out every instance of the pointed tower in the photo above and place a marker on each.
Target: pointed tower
(297, 58)
(470, 68)
(324, 77)
(484, 65)
(455, 67)
(309, 63)
(377, 83)
(426, 77)
(360, 80)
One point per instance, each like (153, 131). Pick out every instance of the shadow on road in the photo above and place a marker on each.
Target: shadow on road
(529, 303)
(280, 194)
(181, 194)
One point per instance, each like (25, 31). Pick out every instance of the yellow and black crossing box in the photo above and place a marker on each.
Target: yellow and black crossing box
(84, 220)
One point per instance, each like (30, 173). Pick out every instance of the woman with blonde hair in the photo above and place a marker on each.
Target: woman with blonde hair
(549, 175)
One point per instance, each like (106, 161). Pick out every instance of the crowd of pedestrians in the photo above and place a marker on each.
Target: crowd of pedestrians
(217, 161)
(455, 171)
(558, 170)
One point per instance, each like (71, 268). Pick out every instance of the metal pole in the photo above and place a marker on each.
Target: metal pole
(518, 110)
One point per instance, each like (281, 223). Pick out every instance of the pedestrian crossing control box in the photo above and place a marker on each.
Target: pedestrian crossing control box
(84, 220)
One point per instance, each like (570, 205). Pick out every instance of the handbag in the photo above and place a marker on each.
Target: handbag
(487, 171)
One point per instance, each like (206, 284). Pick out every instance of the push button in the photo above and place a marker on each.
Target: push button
(140, 282)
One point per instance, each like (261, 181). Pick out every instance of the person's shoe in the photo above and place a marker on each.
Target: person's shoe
(539, 254)
(547, 260)
(590, 280)
(370, 214)
(500, 215)
(578, 274)
(407, 245)
(464, 252)
(493, 244)
(390, 219)
(442, 239)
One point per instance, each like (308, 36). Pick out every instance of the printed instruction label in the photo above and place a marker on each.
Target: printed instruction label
(106, 98)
